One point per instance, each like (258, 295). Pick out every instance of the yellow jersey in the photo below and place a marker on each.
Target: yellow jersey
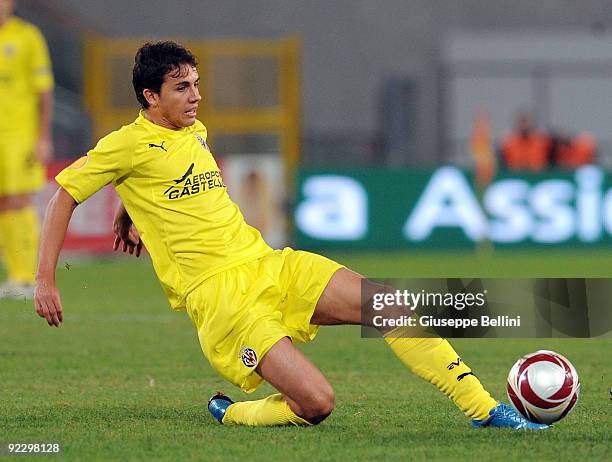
(173, 190)
(25, 71)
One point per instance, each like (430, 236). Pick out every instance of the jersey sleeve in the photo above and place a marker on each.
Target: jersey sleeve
(40, 63)
(109, 162)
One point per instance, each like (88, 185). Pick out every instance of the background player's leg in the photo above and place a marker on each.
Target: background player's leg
(19, 229)
(307, 397)
(340, 303)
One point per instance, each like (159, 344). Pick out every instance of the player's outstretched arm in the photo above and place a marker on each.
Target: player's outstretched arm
(126, 234)
(47, 298)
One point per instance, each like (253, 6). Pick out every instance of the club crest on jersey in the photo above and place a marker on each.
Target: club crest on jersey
(202, 142)
(248, 357)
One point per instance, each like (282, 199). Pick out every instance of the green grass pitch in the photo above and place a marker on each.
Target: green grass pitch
(124, 378)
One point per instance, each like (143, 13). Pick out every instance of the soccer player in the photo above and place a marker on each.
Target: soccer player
(26, 101)
(249, 303)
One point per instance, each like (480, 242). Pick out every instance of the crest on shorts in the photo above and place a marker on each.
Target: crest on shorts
(248, 357)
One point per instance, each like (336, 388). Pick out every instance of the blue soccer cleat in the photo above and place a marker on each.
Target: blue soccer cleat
(503, 416)
(218, 404)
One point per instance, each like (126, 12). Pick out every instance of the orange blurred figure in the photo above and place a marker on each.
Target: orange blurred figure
(526, 149)
(481, 147)
(572, 153)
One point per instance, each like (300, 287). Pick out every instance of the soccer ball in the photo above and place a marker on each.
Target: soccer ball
(543, 386)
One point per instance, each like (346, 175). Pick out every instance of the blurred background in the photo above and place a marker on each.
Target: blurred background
(356, 124)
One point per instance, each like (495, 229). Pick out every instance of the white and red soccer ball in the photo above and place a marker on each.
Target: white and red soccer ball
(543, 386)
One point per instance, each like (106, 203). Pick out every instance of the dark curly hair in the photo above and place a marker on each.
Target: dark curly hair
(153, 61)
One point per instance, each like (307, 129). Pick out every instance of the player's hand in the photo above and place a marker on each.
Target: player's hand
(47, 303)
(126, 234)
(44, 150)
(132, 244)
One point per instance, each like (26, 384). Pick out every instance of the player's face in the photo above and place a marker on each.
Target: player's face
(178, 98)
(6, 10)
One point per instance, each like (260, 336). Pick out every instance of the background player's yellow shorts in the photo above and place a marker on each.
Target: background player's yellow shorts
(242, 312)
(20, 172)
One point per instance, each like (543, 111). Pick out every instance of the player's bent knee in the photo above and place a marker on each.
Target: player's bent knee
(315, 420)
(319, 407)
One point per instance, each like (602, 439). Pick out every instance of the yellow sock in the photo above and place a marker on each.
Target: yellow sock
(269, 411)
(19, 229)
(434, 360)
(8, 243)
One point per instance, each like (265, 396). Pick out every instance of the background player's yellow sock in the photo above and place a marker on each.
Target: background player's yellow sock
(19, 229)
(6, 230)
(269, 411)
(436, 361)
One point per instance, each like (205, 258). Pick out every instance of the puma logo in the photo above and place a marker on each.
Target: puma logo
(161, 146)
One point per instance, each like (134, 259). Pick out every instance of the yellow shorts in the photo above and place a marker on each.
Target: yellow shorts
(242, 312)
(20, 171)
